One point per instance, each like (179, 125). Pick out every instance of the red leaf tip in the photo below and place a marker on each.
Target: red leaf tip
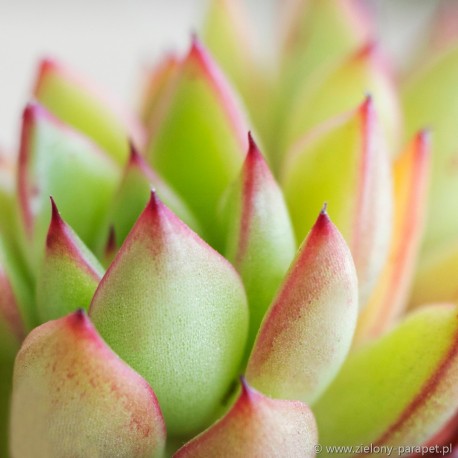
(46, 65)
(195, 42)
(368, 104)
(133, 153)
(56, 221)
(154, 201)
(367, 51)
(423, 140)
(78, 319)
(110, 247)
(247, 391)
(80, 314)
(81, 325)
(323, 222)
(253, 150)
(31, 111)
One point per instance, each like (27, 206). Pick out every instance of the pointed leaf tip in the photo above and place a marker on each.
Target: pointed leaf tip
(251, 143)
(307, 332)
(367, 51)
(69, 273)
(73, 394)
(199, 171)
(260, 240)
(257, 426)
(163, 262)
(55, 215)
(367, 107)
(133, 152)
(154, 203)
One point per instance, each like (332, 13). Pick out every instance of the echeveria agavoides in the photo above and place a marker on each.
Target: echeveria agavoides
(177, 254)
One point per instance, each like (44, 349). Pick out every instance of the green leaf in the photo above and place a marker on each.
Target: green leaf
(320, 33)
(428, 102)
(307, 332)
(80, 104)
(17, 290)
(72, 396)
(231, 38)
(260, 240)
(69, 274)
(257, 426)
(390, 297)
(345, 163)
(12, 331)
(156, 82)
(55, 160)
(176, 311)
(335, 91)
(134, 192)
(199, 137)
(398, 391)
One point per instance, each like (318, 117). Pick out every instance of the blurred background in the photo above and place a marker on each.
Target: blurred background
(112, 40)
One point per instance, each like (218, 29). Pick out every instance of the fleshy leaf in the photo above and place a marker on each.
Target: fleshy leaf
(156, 82)
(316, 35)
(427, 102)
(72, 396)
(18, 290)
(257, 426)
(230, 37)
(319, 33)
(260, 240)
(12, 328)
(80, 104)
(345, 163)
(175, 310)
(69, 274)
(198, 138)
(12, 331)
(412, 371)
(341, 89)
(389, 299)
(435, 279)
(50, 153)
(8, 213)
(308, 329)
(134, 192)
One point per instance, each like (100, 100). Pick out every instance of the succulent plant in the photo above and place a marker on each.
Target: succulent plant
(184, 291)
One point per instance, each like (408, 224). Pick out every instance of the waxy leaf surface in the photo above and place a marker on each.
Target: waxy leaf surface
(78, 103)
(176, 311)
(345, 163)
(257, 426)
(330, 93)
(12, 332)
(260, 240)
(428, 102)
(308, 329)
(50, 153)
(198, 138)
(390, 296)
(72, 396)
(133, 195)
(69, 274)
(412, 374)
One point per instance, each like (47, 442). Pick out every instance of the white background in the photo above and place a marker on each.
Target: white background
(110, 40)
